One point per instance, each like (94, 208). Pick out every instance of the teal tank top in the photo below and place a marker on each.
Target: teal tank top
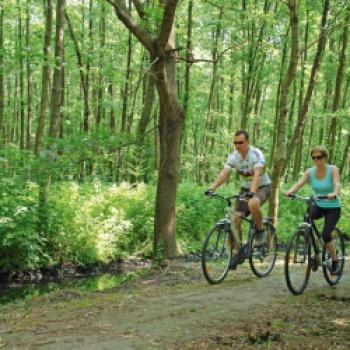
(323, 187)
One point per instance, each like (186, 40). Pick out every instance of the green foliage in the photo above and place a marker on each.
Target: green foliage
(97, 221)
(20, 246)
(195, 214)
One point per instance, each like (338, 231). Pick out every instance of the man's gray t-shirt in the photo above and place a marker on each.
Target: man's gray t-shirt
(246, 166)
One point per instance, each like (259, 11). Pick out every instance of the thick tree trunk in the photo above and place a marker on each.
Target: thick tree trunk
(55, 111)
(161, 47)
(171, 119)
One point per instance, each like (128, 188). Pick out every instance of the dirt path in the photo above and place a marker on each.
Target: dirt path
(175, 308)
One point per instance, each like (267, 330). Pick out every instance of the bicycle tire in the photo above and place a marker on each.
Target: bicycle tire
(217, 253)
(297, 266)
(338, 239)
(262, 260)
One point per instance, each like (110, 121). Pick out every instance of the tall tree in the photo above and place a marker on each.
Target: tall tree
(45, 77)
(2, 93)
(161, 45)
(56, 96)
(338, 85)
(311, 85)
(21, 74)
(29, 81)
(280, 153)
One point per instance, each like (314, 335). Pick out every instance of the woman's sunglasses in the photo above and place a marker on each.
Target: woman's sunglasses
(316, 157)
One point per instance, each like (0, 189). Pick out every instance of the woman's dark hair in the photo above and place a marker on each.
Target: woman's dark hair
(242, 132)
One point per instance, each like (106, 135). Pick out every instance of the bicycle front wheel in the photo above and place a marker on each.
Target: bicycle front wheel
(297, 265)
(339, 247)
(262, 259)
(217, 254)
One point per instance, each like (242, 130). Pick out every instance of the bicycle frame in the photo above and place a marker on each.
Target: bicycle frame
(228, 223)
(315, 235)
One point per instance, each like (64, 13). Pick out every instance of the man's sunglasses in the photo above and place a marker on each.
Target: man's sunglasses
(316, 157)
(238, 142)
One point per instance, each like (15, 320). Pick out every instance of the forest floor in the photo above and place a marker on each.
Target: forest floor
(174, 308)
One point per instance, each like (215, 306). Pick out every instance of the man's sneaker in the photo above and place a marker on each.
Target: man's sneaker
(233, 263)
(260, 239)
(335, 268)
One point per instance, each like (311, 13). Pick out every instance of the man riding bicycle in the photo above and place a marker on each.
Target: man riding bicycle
(250, 164)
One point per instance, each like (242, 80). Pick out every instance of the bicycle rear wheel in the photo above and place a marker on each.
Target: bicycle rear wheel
(339, 246)
(297, 265)
(217, 254)
(262, 259)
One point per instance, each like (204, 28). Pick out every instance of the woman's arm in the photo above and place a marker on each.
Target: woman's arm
(336, 183)
(299, 184)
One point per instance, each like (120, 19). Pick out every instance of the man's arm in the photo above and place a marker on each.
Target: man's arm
(258, 171)
(222, 177)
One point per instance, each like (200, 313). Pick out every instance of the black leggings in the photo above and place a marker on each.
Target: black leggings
(331, 217)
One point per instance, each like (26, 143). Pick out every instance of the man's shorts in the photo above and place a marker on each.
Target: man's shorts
(263, 193)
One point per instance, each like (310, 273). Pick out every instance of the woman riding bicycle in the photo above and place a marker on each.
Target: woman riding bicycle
(325, 181)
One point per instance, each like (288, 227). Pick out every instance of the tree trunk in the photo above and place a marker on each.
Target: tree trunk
(100, 111)
(111, 112)
(29, 83)
(84, 77)
(278, 94)
(345, 155)
(311, 85)
(127, 81)
(21, 77)
(161, 47)
(337, 90)
(171, 122)
(280, 154)
(56, 99)
(187, 70)
(45, 78)
(2, 98)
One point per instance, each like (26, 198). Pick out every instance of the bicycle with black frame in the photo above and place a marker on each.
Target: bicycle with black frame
(217, 251)
(306, 252)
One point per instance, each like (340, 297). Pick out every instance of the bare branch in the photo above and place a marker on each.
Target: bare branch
(167, 23)
(125, 16)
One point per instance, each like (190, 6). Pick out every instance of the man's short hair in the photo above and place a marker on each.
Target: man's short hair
(242, 132)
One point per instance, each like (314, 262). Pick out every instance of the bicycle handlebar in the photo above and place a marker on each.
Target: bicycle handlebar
(228, 198)
(304, 198)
